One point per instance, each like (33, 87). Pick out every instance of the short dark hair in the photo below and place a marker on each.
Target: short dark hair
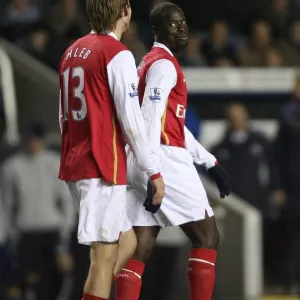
(104, 14)
(158, 13)
(36, 130)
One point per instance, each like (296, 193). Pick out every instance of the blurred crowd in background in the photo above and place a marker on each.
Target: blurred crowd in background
(262, 33)
(264, 173)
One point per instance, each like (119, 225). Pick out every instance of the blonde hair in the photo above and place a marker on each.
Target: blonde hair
(104, 14)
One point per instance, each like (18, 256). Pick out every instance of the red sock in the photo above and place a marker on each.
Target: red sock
(201, 271)
(129, 282)
(90, 297)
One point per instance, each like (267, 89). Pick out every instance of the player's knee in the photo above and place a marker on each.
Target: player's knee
(207, 240)
(128, 243)
(146, 240)
(143, 251)
(102, 255)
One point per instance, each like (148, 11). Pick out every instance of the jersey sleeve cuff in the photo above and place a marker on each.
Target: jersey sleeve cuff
(155, 176)
(211, 163)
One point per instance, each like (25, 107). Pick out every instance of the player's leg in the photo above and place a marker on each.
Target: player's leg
(102, 262)
(128, 242)
(205, 237)
(129, 281)
(126, 249)
(101, 219)
(186, 203)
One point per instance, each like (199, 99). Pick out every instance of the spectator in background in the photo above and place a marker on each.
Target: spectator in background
(274, 58)
(40, 217)
(290, 46)
(244, 153)
(17, 18)
(45, 5)
(279, 15)
(217, 44)
(287, 187)
(253, 54)
(294, 35)
(38, 43)
(133, 43)
(81, 255)
(224, 62)
(67, 22)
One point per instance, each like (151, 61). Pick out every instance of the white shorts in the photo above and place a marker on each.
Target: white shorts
(102, 210)
(185, 198)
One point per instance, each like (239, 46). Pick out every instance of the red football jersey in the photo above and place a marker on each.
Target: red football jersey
(92, 144)
(173, 120)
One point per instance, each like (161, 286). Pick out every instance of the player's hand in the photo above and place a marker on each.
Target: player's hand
(219, 175)
(154, 187)
(158, 188)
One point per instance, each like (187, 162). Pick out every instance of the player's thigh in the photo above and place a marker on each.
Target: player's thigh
(135, 209)
(185, 197)
(146, 240)
(102, 210)
(127, 243)
(202, 233)
(128, 239)
(103, 256)
(126, 249)
(144, 223)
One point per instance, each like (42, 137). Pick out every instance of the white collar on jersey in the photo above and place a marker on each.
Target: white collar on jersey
(160, 45)
(109, 33)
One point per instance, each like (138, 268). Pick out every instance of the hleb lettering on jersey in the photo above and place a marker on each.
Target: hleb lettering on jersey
(133, 90)
(156, 94)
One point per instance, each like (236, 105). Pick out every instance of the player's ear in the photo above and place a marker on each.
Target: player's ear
(154, 29)
(126, 9)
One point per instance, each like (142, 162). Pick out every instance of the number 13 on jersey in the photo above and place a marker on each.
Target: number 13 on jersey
(77, 92)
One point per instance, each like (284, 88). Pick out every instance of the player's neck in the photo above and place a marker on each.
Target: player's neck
(118, 31)
(161, 42)
(118, 34)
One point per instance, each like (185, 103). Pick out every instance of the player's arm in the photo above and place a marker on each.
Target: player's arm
(200, 155)
(160, 79)
(122, 77)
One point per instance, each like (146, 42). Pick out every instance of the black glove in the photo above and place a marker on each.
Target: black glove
(219, 175)
(149, 206)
